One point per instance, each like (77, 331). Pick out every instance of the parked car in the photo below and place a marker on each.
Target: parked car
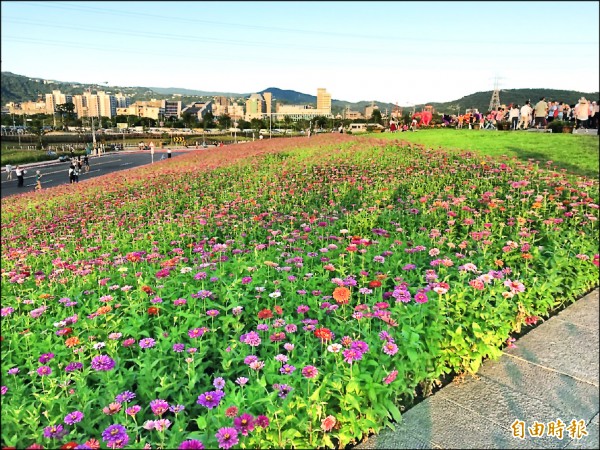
(63, 158)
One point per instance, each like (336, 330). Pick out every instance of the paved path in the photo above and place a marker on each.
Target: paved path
(551, 374)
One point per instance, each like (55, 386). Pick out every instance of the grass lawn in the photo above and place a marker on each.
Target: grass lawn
(577, 154)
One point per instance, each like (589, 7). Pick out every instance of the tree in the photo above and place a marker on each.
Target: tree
(376, 117)
(208, 120)
(243, 124)
(224, 121)
(188, 119)
(257, 125)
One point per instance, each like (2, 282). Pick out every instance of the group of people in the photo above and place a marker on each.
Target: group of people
(75, 169)
(583, 114)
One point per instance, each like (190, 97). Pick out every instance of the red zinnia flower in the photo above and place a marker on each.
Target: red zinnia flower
(153, 311)
(328, 423)
(324, 334)
(265, 314)
(148, 290)
(68, 445)
(375, 284)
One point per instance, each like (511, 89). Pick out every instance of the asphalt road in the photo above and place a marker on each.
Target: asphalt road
(55, 174)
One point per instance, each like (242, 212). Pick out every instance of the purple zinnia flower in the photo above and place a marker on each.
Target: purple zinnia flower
(287, 369)
(191, 444)
(178, 348)
(210, 399)
(244, 423)
(284, 389)
(159, 407)
(124, 397)
(219, 383)
(46, 357)
(71, 367)
(176, 408)
(13, 371)
(227, 437)
(147, 343)
(103, 362)
(73, 417)
(54, 432)
(115, 436)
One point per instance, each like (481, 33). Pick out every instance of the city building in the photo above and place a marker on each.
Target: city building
(199, 109)
(255, 107)
(172, 108)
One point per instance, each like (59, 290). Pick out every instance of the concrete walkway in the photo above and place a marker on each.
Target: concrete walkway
(551, 374)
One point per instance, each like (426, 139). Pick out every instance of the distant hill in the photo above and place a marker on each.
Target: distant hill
(19, 88)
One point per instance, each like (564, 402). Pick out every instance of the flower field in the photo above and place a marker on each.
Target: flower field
(283, 294)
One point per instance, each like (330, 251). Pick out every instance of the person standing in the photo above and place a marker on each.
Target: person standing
(594, 110)
(582, 110)
(169, 153)
(20, 176)
(541, 111)
(525, 115)
(38, 180)
(71, 174)
(86, 163)
(513, 115)
(9, 169)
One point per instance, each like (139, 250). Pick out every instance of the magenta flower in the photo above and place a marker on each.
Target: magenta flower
(227, 437)
(389, 348)
(159, 407)
(252, 339)
(351, 355)
(390, 377)
(44, 370)
(46, 357)
(310, 371)
(421, 297)
(262, 421)
(244, 423)
(191, 444)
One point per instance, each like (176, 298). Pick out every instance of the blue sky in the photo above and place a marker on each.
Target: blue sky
(404, 52)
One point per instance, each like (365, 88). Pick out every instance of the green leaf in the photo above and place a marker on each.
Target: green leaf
(201, 421)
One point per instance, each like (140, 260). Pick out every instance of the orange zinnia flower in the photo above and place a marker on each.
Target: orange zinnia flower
(341, 295)
(153, 311)
(104, 309)
(72, 341)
